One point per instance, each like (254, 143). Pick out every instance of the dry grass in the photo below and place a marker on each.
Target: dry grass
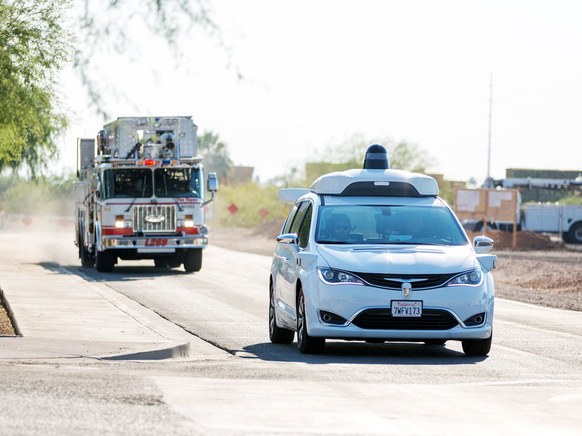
(6, 328)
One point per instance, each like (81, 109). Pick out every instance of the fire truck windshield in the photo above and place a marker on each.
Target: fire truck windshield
(178, 182)
(144, 183)
(127, 183)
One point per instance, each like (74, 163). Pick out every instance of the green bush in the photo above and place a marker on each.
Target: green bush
(256, 204)
(41, 196)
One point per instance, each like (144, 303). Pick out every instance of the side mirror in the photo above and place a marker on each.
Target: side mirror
(212, 182)
(211, 186)
(288, 238)
(482, 244)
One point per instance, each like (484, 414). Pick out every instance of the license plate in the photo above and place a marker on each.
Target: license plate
(402, 308)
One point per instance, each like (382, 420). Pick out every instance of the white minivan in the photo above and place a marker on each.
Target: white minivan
(376, 255)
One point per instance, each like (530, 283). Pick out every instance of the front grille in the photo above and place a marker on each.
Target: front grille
(154, 218)
(382, 319)
(418, 281)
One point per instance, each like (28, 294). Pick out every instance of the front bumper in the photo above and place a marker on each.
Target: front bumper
(154, 243)
(455, 305)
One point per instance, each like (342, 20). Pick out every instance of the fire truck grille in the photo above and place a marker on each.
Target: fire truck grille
(154, 218)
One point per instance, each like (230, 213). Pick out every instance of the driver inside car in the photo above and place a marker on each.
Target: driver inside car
(339, 226)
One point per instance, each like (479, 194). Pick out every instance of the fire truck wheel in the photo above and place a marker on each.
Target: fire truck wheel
(193, 260)
(87, 260)
(104, 261)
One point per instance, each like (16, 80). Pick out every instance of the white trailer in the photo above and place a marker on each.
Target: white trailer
(565, 220)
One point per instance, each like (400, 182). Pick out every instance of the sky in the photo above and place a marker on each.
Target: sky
(317, 72)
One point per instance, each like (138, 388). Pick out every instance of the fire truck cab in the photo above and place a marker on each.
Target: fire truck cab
(140, 194)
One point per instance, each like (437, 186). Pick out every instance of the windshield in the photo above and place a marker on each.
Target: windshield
(144, 183)
(360, 224)
(178, 182)
(127, 183)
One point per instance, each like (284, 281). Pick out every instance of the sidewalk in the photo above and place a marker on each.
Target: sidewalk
(60, 315)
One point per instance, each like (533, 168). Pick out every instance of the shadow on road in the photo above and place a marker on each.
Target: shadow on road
(119, 273)
(396, 353)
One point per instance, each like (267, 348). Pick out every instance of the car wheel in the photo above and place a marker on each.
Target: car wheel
(477, 347)
(193, 260)
(104, 261)
(277, 335)
(306, 344)
(435, 342)
(575, 234)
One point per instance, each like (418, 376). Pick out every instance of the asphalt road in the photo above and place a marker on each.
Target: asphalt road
(530, 382)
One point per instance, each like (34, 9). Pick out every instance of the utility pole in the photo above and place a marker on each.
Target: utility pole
(489, 136)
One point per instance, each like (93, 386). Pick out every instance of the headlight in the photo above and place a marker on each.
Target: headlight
(121, 222)
(185, 221)
(469, 278)
(335, 277)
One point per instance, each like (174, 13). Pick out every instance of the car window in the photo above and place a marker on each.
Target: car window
(298, 219)
(289, 220)
(354, 224)
(305, 226)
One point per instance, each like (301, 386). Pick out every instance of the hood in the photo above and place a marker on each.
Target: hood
(399, 259)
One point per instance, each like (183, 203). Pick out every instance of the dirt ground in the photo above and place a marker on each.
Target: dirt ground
(540, 271)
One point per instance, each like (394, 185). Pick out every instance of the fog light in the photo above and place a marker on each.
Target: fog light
(331, 318)
(475, 320)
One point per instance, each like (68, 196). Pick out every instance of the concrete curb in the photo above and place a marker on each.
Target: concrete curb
(179, 351)
(71, 317)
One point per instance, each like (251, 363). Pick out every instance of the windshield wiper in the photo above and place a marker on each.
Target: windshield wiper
(334, 242)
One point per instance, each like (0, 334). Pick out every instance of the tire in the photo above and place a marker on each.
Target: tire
(575, 234)
(104, 261)
(566, 238)
(277, 335)
(306, 344)
(87, 261)
(477, 347)
(193, 260)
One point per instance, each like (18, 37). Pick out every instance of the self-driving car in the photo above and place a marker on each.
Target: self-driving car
(375, 255)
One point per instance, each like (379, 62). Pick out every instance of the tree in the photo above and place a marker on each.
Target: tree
(409, 156)
(216, 154)
(36, 43)
(121, 26)
(34, 46)
(350, 154)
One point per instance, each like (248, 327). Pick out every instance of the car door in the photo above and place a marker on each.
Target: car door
(289, 265)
